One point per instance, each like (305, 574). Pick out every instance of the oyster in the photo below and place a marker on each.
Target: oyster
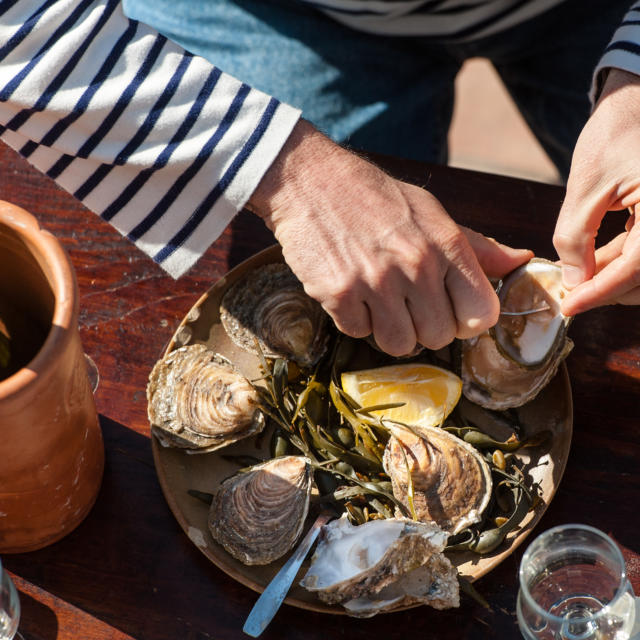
(451, 480)
(382, 565)
(198, 401)
(269, 305)
(511, 363)
(532, 340)
(257, 515)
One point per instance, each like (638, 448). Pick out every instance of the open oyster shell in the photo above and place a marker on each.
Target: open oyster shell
(382, 565)
(511, 363)
(532, 340)
(257, 515)
(451, 480)
(269, 305)
(198, 401)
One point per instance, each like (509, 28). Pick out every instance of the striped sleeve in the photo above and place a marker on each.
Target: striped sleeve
(623, 51)
(160, 143)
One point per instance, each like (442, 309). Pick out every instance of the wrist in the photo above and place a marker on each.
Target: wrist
(292, 171)
(619, 81)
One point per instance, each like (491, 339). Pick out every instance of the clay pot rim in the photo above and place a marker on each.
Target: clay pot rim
(59, 272)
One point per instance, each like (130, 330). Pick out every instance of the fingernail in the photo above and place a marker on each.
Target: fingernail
(571, 276)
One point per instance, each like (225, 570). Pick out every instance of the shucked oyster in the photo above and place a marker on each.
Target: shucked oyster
(382, 565)
(269, 305)
(451, 481)
(257, 515)
(198, 401)
(510, 364)
(533, 339)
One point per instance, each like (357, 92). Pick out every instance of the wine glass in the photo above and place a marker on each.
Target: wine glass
(9, 607)
(573, 586)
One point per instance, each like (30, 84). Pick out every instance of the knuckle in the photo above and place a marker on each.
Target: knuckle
(564, 242)
(437, 340)
(455, 242)
(487, 317)
(341, 300)
(352, 326)
(395, 346)
(335, 294)
(414, 260)
(465, 331)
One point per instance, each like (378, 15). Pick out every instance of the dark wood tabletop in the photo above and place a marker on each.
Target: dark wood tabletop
(129, 571)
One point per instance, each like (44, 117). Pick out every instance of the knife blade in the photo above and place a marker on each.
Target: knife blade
(526, 312)
(276, 591)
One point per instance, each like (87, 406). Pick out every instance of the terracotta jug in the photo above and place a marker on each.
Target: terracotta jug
(51, 450)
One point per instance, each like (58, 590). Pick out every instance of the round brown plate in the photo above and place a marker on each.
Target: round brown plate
(179, 471)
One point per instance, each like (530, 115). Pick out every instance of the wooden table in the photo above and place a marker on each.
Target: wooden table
(128, 571)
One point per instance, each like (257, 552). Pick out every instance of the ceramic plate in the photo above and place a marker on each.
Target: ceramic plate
(179, 471)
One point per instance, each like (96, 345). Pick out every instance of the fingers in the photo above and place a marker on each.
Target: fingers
(496, 259)
(631, 220)
(381, 311)
(616, 281)
(473, 299)
(393, 326)
(422, 306)
(439, 300)
(433, 316)
(351, 316)
(609, 252)
(574, 236)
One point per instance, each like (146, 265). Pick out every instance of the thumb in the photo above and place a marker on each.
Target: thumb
(496, 259)
(574, 236)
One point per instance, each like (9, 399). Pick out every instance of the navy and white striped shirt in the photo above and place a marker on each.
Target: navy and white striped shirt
(164, 145)
(157, 141)
(446, 19)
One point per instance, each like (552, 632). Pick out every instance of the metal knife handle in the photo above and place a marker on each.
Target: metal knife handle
(527, 312)
(276, 591)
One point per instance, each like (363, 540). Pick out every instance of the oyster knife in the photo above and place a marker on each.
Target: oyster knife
(276, 591)
(526, 312)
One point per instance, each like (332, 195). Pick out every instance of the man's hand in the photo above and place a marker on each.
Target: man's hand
(382, 257)
(605, 175)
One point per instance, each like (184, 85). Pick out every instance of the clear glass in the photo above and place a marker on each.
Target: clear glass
(9, 607)
(574, 586)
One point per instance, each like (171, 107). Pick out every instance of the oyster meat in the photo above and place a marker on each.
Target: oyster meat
(451, 480)
(511, 363)
(198, 401)
(269, 305)
(257, 515)
(382, 565)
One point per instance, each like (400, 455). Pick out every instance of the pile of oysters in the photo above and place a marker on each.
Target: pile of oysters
(408, 495)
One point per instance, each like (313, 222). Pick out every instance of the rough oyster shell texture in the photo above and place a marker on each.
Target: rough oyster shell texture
(382, 565)
(451, 481)
(269, 305)
(198, 401)
(257, 515)
(510, 364)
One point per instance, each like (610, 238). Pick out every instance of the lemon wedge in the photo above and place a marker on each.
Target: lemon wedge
(430, 393)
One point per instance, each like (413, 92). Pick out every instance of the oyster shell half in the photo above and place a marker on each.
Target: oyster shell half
(511, 363)
(257, 515)
(532, 340)
(269, 305)
(382, 565)
(198, 401)
(451, 480)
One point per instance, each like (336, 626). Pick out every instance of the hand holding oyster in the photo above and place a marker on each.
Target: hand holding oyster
(464, 485)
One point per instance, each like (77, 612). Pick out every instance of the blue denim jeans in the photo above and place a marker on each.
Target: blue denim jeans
(395, 95)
